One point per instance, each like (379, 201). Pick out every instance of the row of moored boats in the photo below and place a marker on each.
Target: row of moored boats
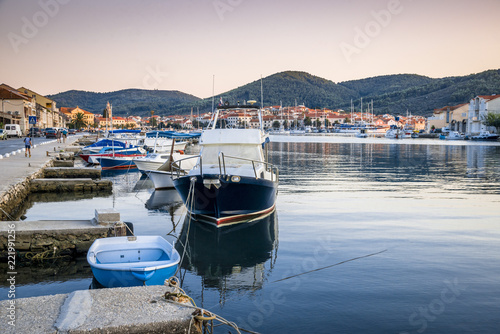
(230, 181)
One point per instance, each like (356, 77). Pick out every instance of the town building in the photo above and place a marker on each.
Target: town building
(72, 113)
(479, 107)
(453, 118)
(47, 113)
(16, 107)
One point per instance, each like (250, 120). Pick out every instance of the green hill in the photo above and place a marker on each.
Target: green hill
(390, 94)
(127, 101)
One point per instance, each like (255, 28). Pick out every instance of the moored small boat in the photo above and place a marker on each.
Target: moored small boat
(119, 161)
(362, 133)
(394, 133)
(154, 161)
(97, 146)
(453, 135)
(107, 152)
(132, 261)
(485, 135)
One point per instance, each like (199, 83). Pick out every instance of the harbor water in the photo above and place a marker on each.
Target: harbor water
(368, 236)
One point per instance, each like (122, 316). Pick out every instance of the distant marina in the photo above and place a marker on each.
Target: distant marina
(415, 199)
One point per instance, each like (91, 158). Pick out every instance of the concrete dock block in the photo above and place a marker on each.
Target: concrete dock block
(71, 172)
(117, 310)
(73, 149)
(106, 216)
(69, 185)
(63, 163)
(75, 236)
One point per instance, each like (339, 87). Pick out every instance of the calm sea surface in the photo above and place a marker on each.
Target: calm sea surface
(369, 236)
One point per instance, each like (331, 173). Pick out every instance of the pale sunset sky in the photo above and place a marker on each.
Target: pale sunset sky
(51, 46)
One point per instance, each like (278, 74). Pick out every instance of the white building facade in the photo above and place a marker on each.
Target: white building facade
(479, 107)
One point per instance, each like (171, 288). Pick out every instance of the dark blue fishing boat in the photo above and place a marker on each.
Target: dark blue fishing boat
(232, 181)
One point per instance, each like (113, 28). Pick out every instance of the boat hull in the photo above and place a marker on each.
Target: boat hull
(145, 166)
(118, 162)
(161, 180)
(488, 138)
(132, 261)
(227, 200)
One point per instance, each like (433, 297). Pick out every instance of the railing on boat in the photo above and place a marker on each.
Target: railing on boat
(269, 167)
(222, 165)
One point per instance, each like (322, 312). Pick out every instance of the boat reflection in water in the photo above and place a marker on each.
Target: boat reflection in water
(167, 200)
(230, 258)
(110, 173)
(164, 200)
(143, 183)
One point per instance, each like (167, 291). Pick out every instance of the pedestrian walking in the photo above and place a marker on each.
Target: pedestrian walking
(58, 135)
(27, 146)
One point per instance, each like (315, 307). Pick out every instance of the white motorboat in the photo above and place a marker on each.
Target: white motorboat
(394, 133)
(452, 135)
(485, 135)
(232, 181)
(161, 179)
(362, 133)
(162, 175)
(153, 161)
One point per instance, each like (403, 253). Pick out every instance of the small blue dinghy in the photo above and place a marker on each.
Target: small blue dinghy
(132, 261)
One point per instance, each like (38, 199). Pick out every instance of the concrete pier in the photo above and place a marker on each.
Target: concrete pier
(70, 185)
(74, 236)
(71, 172)
(18, 171)
(118, 310)
(23, 175)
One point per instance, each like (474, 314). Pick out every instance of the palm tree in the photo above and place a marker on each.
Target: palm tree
(492, 119)
(78, 121)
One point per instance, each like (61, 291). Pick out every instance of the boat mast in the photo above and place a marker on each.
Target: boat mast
(372, 112)
(352, 109)
(214, 113)
(361, 110)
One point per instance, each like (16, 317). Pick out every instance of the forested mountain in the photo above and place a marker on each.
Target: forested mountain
(393, 94)
(127, 101)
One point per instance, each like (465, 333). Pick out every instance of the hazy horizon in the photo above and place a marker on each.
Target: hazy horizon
(52, 46)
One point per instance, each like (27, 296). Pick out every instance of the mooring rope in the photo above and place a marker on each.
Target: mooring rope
(189, 202)
(332, 265)
(8, 216)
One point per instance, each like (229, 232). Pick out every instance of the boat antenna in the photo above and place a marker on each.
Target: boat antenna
(213, 93)
(213, 120)
(261, 93)
(261, 104)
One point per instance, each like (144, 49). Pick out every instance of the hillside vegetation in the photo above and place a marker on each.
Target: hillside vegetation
(393, 94)
(126, 102)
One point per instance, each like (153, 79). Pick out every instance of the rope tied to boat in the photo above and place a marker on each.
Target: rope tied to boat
(189, 203)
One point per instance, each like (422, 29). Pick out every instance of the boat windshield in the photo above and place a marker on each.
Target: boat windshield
(210, 154)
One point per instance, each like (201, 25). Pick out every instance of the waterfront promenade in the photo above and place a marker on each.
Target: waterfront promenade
(15, 167)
